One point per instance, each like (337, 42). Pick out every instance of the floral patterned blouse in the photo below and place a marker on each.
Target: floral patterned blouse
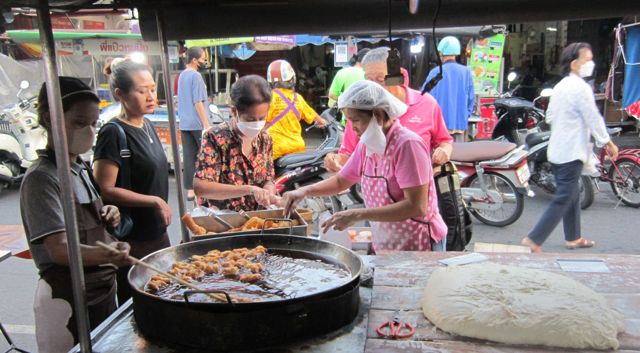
(221, 160)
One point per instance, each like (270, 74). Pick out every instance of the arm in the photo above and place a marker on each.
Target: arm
(106, 174)
(202, 114)
(413, 205)
(441, 141)
(217, 191)
(470, 94)
(586, 104)
(56, 245)
(328, 187)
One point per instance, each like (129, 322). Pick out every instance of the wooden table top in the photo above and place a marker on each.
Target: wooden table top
(400, 278)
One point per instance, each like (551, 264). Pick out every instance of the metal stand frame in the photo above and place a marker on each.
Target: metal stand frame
(12, 346)
(62, 161)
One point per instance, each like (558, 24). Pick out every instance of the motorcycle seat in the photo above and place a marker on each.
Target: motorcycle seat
(477, 151)
(294, 159)
(537, 138)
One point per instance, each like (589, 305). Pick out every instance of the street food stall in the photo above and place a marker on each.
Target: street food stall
(360, 314)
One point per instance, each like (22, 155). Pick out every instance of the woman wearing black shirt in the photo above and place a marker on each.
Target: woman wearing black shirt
(145, 194)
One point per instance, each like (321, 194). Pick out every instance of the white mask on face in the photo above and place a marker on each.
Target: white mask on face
(374, 138)
(586, 70)
(81, 140)
(250, 129)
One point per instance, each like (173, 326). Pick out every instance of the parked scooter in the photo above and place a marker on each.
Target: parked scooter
(494, 179)
(541, 173)
(516, 116)
(20, 137)
(299, 169)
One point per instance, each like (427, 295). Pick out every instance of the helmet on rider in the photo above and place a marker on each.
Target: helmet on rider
(281, 74)
(449, 46)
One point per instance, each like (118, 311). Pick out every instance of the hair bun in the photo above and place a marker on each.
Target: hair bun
(111, 64)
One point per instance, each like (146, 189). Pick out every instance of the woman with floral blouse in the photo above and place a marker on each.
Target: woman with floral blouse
(234, 169)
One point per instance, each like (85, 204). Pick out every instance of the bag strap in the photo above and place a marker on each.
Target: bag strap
(291, 106)
(125, 156)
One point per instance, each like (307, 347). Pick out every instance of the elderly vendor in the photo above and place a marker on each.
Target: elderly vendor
(393, 166)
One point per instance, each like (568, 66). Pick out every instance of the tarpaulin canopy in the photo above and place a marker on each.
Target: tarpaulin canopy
(33, 36)
(631, 89)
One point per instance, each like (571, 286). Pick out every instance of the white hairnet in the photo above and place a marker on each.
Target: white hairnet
(368, 95)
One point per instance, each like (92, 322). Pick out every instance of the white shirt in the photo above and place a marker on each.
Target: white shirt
(574, 118)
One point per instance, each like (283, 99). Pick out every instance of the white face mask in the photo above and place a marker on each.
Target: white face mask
(374, 138)
(586, 70)
(81, 140)
(250, 129)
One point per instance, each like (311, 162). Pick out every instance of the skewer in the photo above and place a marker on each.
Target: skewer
(216, 296)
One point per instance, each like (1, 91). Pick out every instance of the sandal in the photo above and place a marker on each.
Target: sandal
(536, 249)
(580, 243)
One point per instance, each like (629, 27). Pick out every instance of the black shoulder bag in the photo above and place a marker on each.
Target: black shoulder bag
(125, 228)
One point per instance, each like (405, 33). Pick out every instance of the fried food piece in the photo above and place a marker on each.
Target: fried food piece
(230, 271)
(225, 253)
(228, 264)
(197, 257)
(260, 249)
(250, 278)
(253, 223)
(212, 268)
(255, 267)
(192, 225)
(214, 253)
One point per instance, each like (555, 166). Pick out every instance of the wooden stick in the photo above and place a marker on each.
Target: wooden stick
(216, 296)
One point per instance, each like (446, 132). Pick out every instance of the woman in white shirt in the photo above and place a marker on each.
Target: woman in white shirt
(574, 119)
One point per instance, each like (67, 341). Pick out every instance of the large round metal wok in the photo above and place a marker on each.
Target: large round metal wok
(219, 326)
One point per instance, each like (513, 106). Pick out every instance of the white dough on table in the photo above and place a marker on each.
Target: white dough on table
(517, 305)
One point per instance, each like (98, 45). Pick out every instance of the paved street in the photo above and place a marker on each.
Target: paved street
(614, 230)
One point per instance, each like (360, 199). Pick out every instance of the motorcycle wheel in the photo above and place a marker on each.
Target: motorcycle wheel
(319, 205)
(587, 192)
(505, 215)
(626, 184)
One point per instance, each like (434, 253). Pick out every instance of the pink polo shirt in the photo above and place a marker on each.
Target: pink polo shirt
(423, 117)
(410, 167)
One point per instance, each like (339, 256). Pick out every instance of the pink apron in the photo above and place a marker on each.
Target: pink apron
(412, 234)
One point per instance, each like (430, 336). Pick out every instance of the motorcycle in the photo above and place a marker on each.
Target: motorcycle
(541, 173)
(20, 137)
(494, 179)
(299, 169)
(516, 115)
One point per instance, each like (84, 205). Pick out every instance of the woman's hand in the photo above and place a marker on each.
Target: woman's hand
(119, 258)
(333, 162)
(110, 215)
(321, 122)
(291, 199)
(612, 149)
(441, 154)
(163, 210)
(262, 196)
(341, 220)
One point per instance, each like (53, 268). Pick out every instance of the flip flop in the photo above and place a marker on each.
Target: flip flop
(536, 249)
(580, 243)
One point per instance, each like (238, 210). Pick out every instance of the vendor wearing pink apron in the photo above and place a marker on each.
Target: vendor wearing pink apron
(393, 167)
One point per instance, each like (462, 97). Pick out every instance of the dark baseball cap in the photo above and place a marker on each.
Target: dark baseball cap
(72, 89)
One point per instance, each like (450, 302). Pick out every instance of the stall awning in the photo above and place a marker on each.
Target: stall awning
(31, 36)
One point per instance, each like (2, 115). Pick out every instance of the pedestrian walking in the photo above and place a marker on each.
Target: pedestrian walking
(574, 119)
(192, 110)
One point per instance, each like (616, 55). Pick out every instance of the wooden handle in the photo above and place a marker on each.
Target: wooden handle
(216, 296)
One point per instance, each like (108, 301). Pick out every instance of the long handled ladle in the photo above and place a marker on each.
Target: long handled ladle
(216, 296)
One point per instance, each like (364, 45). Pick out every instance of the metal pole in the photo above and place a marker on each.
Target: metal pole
(215, 68)
(62, 161)
(177, 164)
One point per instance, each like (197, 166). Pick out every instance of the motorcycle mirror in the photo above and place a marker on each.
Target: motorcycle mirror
(547, 92)
(24, 84)
(512, 76)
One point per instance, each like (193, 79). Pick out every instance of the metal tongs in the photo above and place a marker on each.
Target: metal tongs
(208, 212)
